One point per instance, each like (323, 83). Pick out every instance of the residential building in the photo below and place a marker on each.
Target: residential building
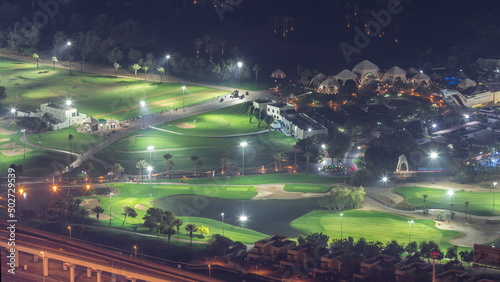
(302, 253)
(410, 268)
(367, 264)
(270, 248)
(276, 110)
(330, 263)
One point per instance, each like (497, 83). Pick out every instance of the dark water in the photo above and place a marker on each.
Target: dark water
(266, 216)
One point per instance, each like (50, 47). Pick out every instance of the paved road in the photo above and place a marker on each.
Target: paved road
(151, 120)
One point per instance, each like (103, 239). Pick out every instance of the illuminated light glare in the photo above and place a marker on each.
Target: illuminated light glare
(243, 218)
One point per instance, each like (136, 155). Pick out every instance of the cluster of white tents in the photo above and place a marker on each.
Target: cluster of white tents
(365, 72)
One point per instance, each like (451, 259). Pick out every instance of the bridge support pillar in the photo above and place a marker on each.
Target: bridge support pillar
(16, 254)
(134, 279)
(113, 277)
(45, 266)
(89, 272)
(72, 273)
(99, 276)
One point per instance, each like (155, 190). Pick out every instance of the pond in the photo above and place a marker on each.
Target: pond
(266, 216)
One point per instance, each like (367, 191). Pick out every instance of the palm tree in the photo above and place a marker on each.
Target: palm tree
(117, 170)
(83, 212)
(295, 149)
(162, 72)
(194, 159)
(70, 138)
(98, 210)
(145, 68)
(191, 228)
(141, 165)
(256, 69)
(54, 61)
(308, 156)
(37, 59)
(87, 167)
(224, 162)
(116, 66)
(135, 67)
(178, 223)
(128, 211)
(168, 162)
(169, 231)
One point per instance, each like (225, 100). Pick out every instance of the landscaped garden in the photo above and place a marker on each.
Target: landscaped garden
(92, 94)
(227, 121)
(259, 151)
(479, 203)
(372, 225)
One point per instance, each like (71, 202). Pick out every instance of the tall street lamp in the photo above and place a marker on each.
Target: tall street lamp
(143, 104)
(385, 180)
(168, 58)
(494, 188)
(410, 222)
(13, 111)
(222, 217)
(341, 235)
(450, 192)
(69, 44)
(24, 145)
(69, 228)
(150, 169)
(68, 104)
(240, 64)
(183, 89)
(243, 145)
(135, 251)
(433, 157)
(110, 218)
(150, 149)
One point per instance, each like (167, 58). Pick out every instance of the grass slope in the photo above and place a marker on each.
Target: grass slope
(267, 179)
(372, 225)
(307, 188)
(480, 203)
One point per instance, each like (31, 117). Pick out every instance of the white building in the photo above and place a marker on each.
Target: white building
(479, 95)
(301, 126)
(66, 116)
(276, 110)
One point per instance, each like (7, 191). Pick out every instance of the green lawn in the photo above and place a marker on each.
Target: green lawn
(94, 95)
(307, 188)
(372, 225)
(163, 190)
(480, 203)
(58, 139)
(258, 179)
(258, 152)
(134, 195)
(227, 121)
(37, 162)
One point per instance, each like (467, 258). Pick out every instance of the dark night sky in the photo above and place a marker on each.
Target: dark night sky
(319, 27)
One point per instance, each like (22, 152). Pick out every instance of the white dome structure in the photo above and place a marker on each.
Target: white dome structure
(466, 83)
(346, 75)
(420, 78)
(329, 86)
(366, 69)
(315, 81)
(393, 73)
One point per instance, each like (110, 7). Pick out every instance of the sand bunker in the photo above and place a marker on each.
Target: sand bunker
(4, 131)
(13, 149)
(4, 140)
(184, 125)
(90, 203)
(140, 207)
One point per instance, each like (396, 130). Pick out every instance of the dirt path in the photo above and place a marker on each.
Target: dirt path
(276, 191)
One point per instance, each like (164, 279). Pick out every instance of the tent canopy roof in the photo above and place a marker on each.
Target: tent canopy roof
(365, 66)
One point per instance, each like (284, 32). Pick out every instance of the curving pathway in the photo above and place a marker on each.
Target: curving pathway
(208, 136)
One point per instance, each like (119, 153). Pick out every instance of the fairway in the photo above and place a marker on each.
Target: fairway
(372, 225)
(480, 203)
(258, 152)
(94, 95)
(307, 188)
(227, 121)
(273, 178)
(58, 139)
